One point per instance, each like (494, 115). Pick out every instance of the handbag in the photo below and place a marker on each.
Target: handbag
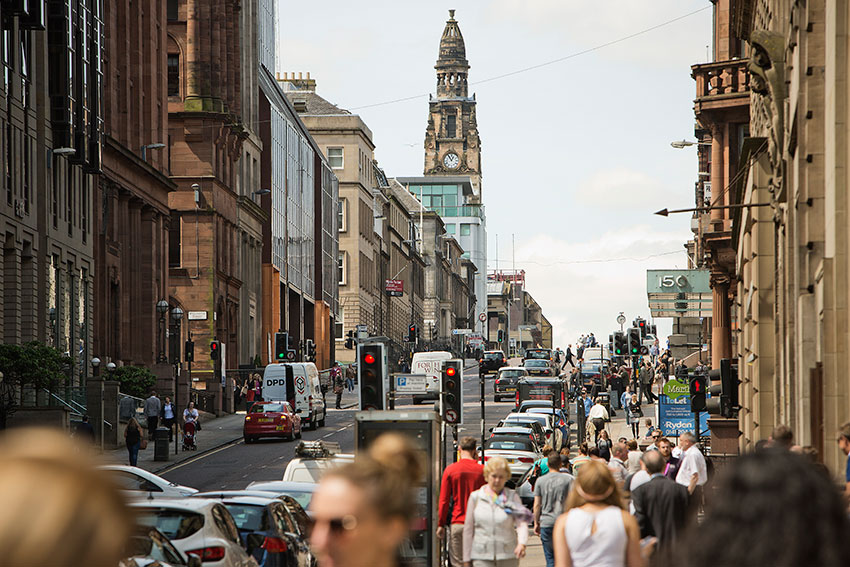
(197, 425)
(143, 444)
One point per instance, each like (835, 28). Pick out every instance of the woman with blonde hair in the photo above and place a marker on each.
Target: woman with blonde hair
(596, 530)
(57, 508)
(496, 528)
(362, 510)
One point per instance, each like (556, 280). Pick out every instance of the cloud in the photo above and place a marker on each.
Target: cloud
(621, 188)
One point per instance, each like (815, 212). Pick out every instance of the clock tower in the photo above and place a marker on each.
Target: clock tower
(452, 145)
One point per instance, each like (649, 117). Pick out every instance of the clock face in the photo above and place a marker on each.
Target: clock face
(451, 160)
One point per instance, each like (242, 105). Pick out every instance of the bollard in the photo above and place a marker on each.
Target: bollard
(161, 444)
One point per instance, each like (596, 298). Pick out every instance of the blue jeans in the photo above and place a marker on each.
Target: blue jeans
(134, 454)
(546, 540)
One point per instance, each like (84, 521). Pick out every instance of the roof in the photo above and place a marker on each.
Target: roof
(316, 105)
(245, 500)
(282, 486)
(193, 504)
(463, 180)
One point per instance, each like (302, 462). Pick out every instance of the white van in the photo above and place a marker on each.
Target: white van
(430, 363)
(298, 384)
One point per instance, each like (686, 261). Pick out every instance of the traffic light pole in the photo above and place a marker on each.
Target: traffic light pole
(481, 382)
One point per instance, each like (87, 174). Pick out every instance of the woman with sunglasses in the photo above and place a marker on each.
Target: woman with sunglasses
(362, 511)
(596, 530)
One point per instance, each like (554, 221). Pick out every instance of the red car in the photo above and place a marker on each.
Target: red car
(271, 419)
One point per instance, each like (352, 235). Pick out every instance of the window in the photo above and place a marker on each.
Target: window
(451, 125)
(341, 268)
(451, 229)
(341, 215)
(173, 74)
(465, 229)
(172, 10)
(174, 244)
(335, 158)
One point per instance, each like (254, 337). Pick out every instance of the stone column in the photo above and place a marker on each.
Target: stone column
(721, 328)
(717, 146)
(193, 90)
(111, 435)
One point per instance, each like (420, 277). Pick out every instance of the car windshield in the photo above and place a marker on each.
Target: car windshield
(248, 518)
(536, 363)
(303, 498)
(538, 354)
(175, 524)
(590, 369)
(508, 445)
(155, 547)
(493, 355)
(278, 407)
(512, 374)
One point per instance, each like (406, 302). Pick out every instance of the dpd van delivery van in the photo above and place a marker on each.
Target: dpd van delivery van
(298, 384)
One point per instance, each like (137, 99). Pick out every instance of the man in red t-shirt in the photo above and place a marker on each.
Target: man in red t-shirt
(460, 479)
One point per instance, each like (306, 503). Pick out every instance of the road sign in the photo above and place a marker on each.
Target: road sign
(482, 317)
(461, 331)
(394, 288)
(411, 383)
(621, 319)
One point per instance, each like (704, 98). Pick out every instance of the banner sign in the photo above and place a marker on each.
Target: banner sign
(394, 288)
(674, 413)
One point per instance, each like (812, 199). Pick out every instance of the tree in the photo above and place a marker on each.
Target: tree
(135, 381)
(33, 365)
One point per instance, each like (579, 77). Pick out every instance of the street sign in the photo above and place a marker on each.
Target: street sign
(461, 331)
(197, 315)
(621, 319)
(394, 288)
(411, 383)
(482, 317)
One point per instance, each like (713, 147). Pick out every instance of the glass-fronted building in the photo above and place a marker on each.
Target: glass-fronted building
(448, 196)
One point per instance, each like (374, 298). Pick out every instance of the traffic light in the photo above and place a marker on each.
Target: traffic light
(698, 388)
(621, 347)
(434, 333)
(653, 331)
(451, 388)
(412, 334)
(724, 396)
(349, 340)
(189, 349)
(290, 347)
(215, 346)
(310, 348)
(370, 369)
(500, 335)
(281, 340)
(634, 341)
(641, 325)
(610, 344)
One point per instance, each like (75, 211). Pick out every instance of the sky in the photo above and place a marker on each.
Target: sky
(576, 154)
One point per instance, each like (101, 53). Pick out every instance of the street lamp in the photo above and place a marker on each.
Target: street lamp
(681, 144)
(176, 319)
(162, 309)
(145, 148)
(95, 366)
(262, 192)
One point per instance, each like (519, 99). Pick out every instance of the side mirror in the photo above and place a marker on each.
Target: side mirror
(490, 430)
(194, 561)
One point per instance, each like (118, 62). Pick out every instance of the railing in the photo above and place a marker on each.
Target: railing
(460, 211)
(721, 78)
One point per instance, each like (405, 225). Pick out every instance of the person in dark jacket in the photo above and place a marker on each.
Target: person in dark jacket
(85, 429)
(133, 440)
(661, 504)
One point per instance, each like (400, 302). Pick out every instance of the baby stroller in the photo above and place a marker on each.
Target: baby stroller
(189, 436)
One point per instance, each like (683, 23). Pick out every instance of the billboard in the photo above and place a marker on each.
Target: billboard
(674, 410)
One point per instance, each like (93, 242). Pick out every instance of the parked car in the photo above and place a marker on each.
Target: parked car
(269, 532)
(138, 483)
(149, 547)
(539, 368)
(560, 421)
(294, 507)
(196, 526)
(519, 450)
(506, 383)
(271, 419)
(540, 424)
(492, 361)
(312, 458)
(302, 492)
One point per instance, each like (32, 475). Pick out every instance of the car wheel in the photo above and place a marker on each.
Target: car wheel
(247, 440)
(322, 421)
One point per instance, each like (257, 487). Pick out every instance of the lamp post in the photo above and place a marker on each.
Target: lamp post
(95, 372)
(162, 309)
(147, 147)
(176, 319)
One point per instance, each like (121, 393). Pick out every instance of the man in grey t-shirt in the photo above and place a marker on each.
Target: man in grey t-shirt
(550, 494)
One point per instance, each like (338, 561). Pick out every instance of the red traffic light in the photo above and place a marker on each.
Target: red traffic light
(369, 359)
(451, 371)
(697, 385)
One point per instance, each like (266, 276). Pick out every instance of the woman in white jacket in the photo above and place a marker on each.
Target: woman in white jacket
(496, 528)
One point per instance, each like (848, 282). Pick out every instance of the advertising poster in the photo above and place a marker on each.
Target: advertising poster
(674, 410)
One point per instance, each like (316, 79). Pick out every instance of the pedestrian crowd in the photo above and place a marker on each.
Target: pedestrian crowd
(635, 502)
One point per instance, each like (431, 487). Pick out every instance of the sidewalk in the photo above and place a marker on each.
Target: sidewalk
(216, 433)
(533, 552)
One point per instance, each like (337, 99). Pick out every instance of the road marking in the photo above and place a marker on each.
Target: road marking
(199, 457)
(337, 431)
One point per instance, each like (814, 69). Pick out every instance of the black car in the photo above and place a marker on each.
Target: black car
(492, 361)
(550, 389)
(537, 367)
(267, 527)
(506, 384)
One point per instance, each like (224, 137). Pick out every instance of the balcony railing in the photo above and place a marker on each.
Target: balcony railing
(721, 78)
(460, 211)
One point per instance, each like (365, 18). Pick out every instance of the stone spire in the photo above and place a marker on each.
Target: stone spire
(452, 66)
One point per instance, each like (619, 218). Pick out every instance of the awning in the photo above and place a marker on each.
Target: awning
(679, 293)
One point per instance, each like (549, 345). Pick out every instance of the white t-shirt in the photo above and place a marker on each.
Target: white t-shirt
(598, 411)
(692, 462)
